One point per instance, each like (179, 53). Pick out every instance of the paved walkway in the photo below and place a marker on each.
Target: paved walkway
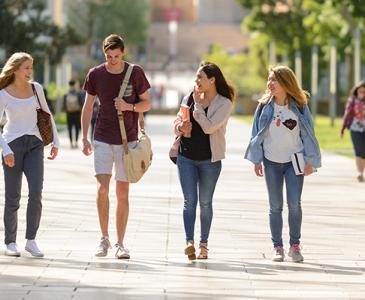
(239, 267)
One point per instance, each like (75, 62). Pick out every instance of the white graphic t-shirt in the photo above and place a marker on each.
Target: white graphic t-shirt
(282, 139)
(358, 123)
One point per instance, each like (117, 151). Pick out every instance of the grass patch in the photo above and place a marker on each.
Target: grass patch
(61, 118)
(328, 137)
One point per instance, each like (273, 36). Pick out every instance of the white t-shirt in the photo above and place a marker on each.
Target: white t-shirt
(21, 117)
(282, 139)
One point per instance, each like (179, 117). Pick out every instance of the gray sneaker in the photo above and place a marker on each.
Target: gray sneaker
(103, 247)
(12, 250)
(32, 247)
(121, 252)
(294, 253)
(278, 254)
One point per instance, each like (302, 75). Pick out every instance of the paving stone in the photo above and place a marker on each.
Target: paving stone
(239, 265)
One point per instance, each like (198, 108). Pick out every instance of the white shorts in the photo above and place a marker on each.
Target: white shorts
(107, 155)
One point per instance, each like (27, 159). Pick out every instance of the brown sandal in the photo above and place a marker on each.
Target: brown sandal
(203, 252)
(190, 251)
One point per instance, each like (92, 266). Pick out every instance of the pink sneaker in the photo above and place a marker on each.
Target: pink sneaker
(294, 253)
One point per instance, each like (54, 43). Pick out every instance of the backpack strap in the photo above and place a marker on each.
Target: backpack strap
(188, 100)
(261, 107)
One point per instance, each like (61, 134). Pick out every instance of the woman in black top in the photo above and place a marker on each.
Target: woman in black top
(202, 146)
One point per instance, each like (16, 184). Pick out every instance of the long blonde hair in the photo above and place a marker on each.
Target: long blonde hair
(287, 79)
(12, 64)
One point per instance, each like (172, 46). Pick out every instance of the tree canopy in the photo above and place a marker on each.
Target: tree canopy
(24, 26)
(299, 24)
(96, 19)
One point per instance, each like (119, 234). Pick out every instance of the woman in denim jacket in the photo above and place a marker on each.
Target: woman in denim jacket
(283, 126)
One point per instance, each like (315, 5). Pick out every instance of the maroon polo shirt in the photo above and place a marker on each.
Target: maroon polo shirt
(106, 86)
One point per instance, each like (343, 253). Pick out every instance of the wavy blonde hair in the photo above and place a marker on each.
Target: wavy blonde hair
(288, 81)
(12, 64)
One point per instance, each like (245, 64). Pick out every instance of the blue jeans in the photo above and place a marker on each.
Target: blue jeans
(198, 176)
(275, 174)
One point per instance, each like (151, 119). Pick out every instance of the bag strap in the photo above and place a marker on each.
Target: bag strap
(120, 113)
(36, 94)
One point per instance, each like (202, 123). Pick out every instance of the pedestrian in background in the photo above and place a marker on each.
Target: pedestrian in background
(72, 105)
(354, 120)
(283, 126)
(104, 81)
(202, 148)
(23, 149)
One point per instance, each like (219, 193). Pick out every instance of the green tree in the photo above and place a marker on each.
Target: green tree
(299, 24)
(242, 71)
(239, 69)
(25, 27)
(96, 19)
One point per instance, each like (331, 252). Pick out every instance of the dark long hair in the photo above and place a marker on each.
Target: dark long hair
(356, 87)
(222, 86)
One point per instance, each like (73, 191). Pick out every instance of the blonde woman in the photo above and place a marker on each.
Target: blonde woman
(283, 126)
(22, 149)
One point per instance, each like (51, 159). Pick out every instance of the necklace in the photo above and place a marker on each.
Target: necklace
(278, 114)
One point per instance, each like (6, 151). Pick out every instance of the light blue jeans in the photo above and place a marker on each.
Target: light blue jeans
(198, 180)
(275, 174)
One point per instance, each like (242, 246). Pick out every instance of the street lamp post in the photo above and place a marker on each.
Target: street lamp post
(314, 80)
(333, 81)
(357, 55)
(173, 42)
(272, 53)
(298, 65)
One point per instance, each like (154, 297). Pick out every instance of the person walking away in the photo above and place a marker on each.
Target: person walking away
(22, 149)
(354, 120)
(202, 149)
(282, 127)
(72, 103)
(104, 81)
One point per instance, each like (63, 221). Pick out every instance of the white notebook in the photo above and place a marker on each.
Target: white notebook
(298, 162)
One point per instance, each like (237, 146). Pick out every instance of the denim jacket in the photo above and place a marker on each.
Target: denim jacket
(261, 123)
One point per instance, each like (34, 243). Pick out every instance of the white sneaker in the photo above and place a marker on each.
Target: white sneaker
(104, 245)
(278, 254)
(121, 252)
(12, 250)
(32, 248)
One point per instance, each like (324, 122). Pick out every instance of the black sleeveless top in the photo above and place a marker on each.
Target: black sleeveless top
(196, 147)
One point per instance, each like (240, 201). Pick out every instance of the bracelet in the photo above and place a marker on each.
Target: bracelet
(134, 108)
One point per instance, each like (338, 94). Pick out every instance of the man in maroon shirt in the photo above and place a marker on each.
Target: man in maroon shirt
(104, 82)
